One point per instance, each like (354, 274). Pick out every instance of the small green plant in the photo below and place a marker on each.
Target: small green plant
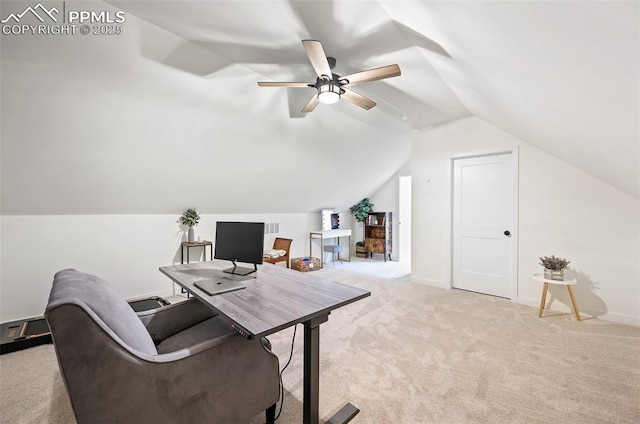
(361, 209)
(553, 263)
(190, 217)
(360, 244)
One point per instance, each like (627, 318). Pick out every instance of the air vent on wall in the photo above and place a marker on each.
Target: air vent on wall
(272, 228)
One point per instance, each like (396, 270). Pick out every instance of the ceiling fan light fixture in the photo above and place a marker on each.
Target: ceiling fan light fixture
(330, 86)
(329, 93)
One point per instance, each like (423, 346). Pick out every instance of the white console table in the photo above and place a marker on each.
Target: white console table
(328, 234)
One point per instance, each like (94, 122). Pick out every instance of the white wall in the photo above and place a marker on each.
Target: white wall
(125, 250)
(562, 211)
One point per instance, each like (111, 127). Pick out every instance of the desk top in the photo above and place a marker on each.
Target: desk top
(196, 243)
(331, 233)
(540, 277)
(275, 297)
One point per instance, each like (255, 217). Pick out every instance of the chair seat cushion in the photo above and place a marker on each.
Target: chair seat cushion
(206, 330)
(333, 248)
(274, 253)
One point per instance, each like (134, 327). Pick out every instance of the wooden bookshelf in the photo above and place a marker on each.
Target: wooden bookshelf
(377, 234)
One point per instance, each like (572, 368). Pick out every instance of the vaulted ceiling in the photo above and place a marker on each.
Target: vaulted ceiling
(266, 38)
(174, 112)
(560, 75)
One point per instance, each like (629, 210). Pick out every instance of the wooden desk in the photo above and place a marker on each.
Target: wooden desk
(276, 298)
(545, 287)
(327, 234)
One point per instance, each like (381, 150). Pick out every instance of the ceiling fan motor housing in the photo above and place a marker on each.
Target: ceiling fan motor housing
(327, 80)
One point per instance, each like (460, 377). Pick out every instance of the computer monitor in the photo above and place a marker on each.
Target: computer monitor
(240, 242)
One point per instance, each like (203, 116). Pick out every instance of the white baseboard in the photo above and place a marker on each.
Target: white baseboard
(166, 293)
(607, 316)
(529, 301)
(163, 293)
(428, 282)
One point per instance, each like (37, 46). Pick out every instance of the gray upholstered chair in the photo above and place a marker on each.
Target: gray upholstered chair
(175, 364)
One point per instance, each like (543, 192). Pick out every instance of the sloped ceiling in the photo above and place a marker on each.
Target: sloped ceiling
(168, 115)
(563, 76)
(265, 36)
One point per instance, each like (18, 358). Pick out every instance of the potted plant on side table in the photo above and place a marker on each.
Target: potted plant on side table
(190, 218)
(554, 267)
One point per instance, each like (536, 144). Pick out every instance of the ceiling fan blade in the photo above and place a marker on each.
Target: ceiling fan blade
(282, 84)
(358, 99)
(311, 104)
(317, 57)
(375, 74)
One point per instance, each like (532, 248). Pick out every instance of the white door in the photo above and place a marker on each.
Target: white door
(404, 221)
(483, 242)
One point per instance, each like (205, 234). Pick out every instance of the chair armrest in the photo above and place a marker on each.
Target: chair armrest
(171, 319)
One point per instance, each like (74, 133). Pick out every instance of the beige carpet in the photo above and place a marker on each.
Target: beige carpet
(416, 354)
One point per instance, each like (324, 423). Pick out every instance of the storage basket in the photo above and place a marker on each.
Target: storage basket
(305, 264)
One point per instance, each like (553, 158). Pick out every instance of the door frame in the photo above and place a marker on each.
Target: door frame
(403, 234)
(515, 156)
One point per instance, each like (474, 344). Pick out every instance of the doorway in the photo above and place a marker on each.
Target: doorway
(404, 219)
(484, 220)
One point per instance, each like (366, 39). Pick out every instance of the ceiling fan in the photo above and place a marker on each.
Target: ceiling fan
(330, 86)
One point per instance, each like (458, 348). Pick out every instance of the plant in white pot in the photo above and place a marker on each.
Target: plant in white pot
(554, 267)
(190, 218)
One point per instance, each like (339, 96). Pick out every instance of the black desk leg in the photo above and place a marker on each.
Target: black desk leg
(311, 395)
(182, 289)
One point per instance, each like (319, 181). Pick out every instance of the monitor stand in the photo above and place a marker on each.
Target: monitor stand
(236, 270)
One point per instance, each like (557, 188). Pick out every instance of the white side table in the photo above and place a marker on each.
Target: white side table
(568, 283)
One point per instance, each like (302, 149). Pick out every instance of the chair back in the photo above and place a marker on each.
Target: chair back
(102, 304)
(282, 244)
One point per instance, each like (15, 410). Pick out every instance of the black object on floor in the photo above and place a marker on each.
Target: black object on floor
(148, 303)
(26, 333)
(23, 334)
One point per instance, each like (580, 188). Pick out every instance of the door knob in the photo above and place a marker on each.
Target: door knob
(507, 233)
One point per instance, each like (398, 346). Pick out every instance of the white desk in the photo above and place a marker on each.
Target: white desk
(568, 283)
(327, 234)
